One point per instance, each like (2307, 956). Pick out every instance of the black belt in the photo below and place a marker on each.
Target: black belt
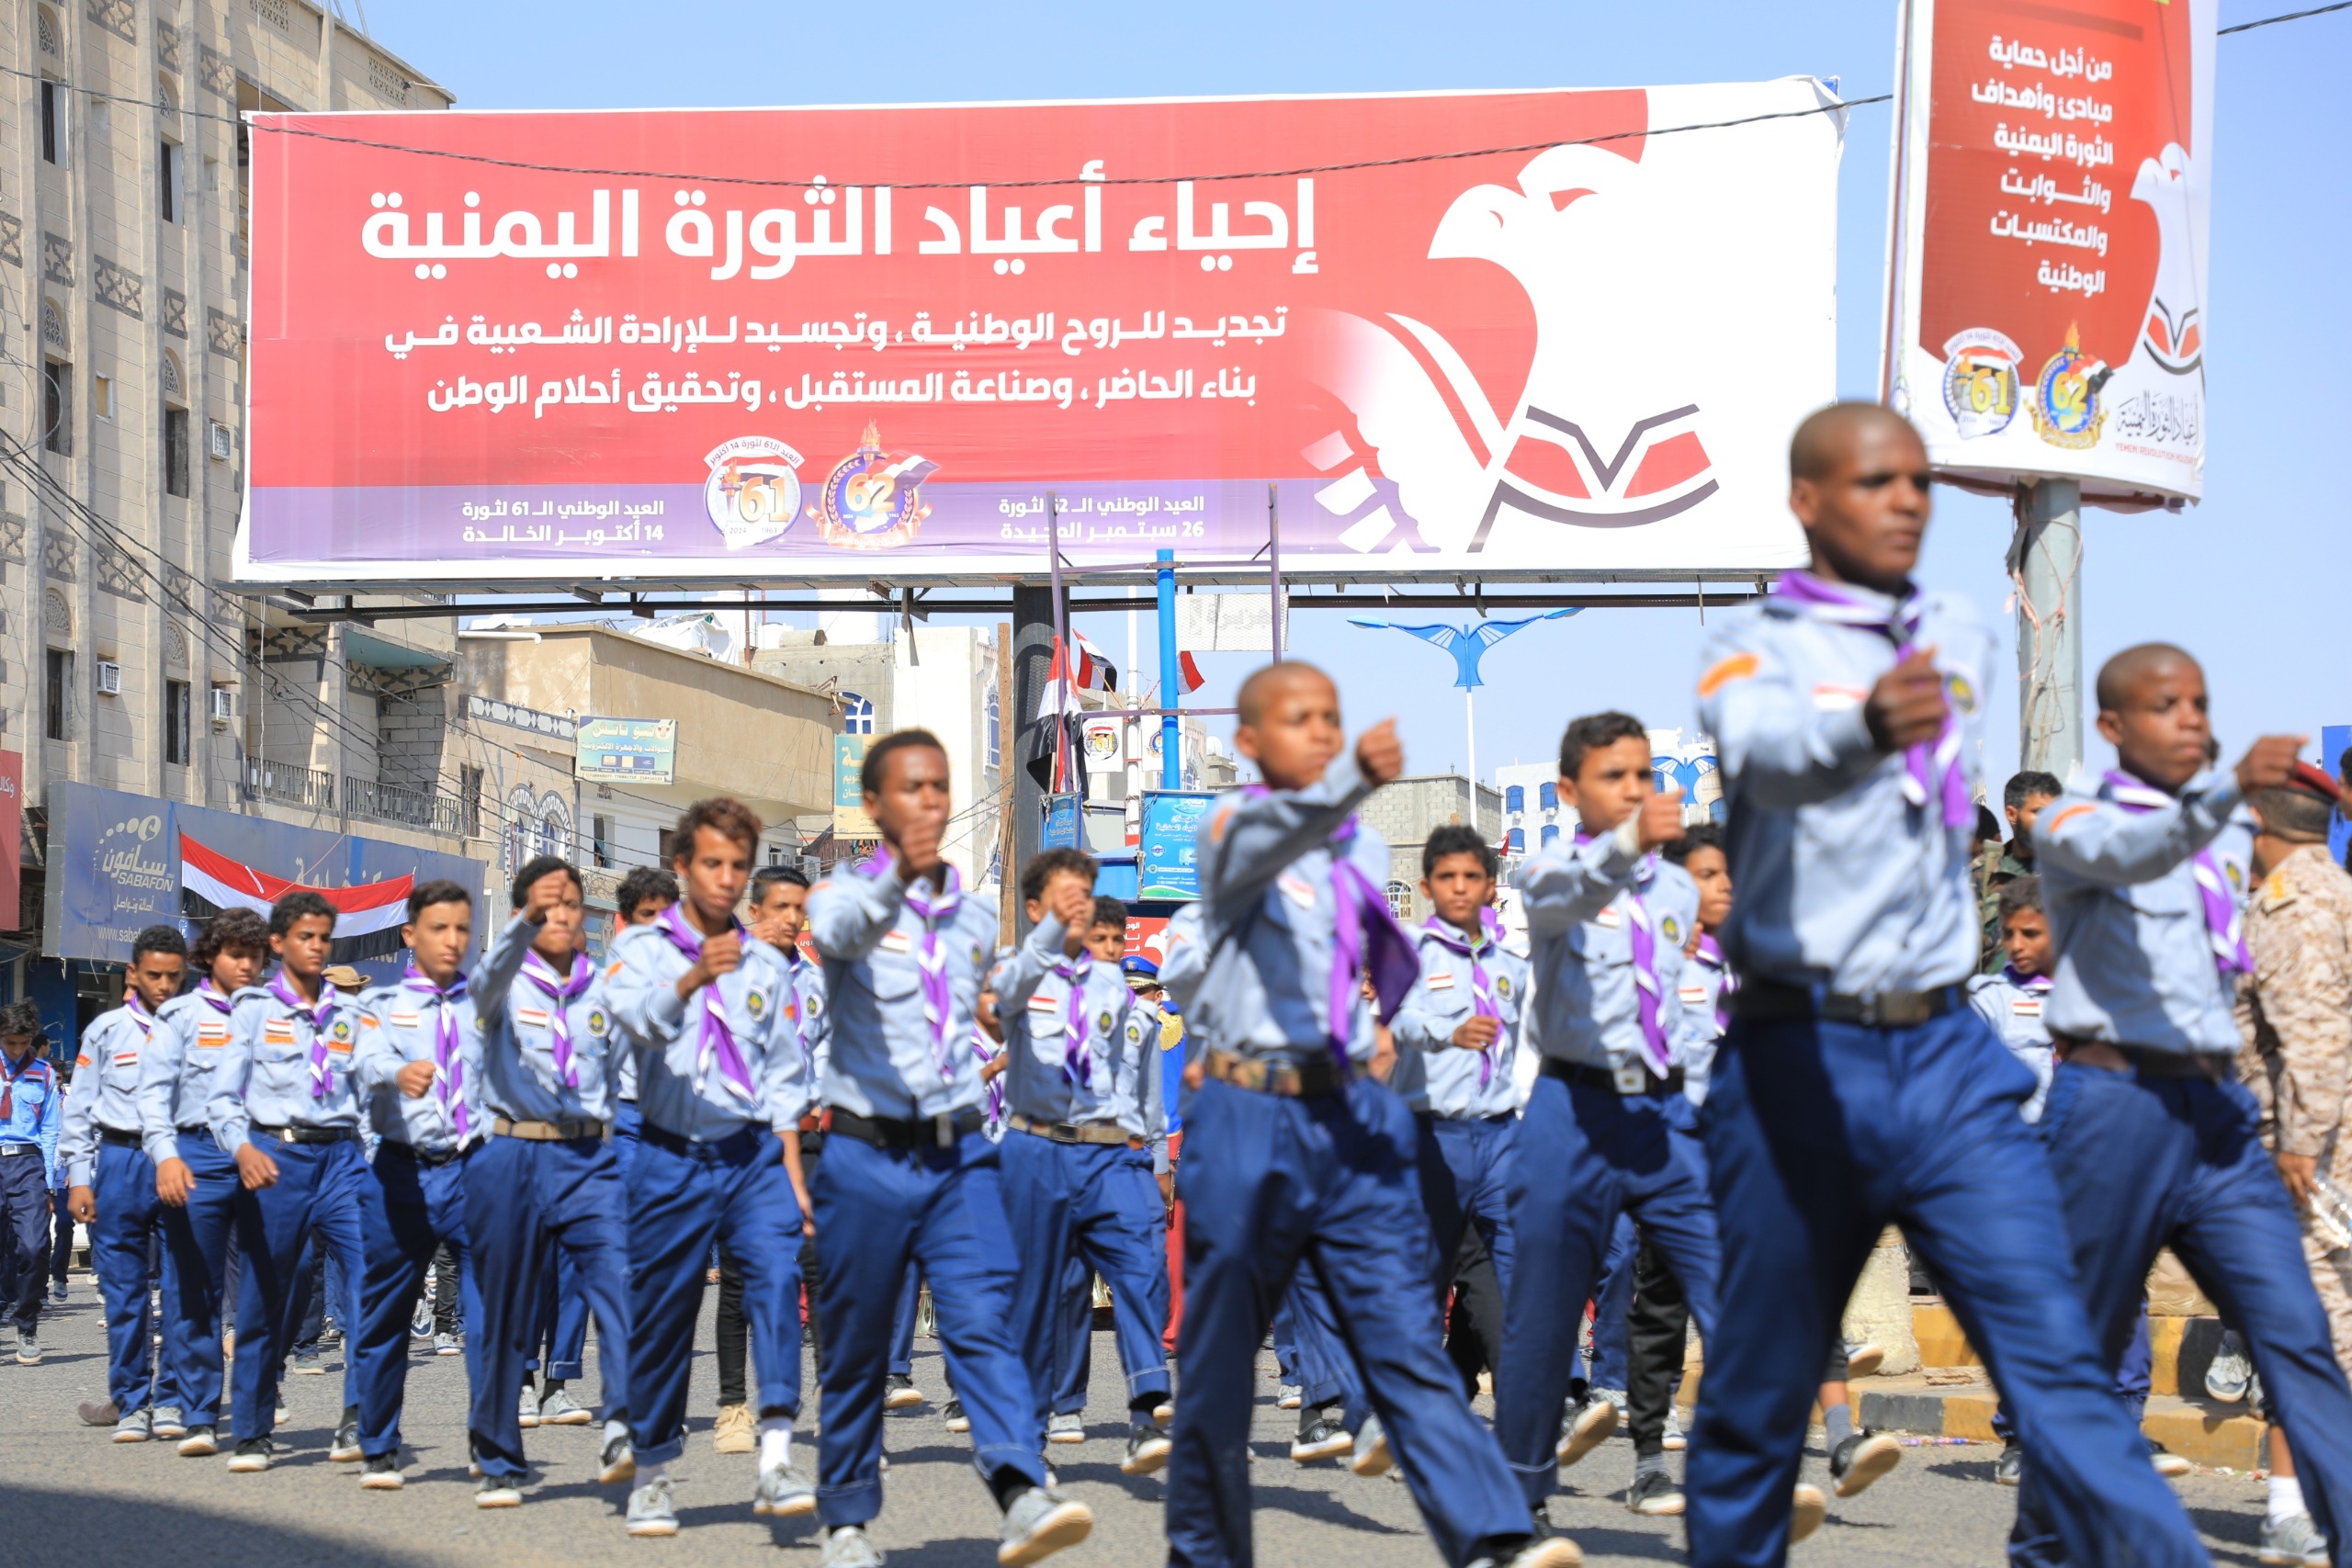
(1308, 1077)
(663, 1138)
(1603, 1078)
(940, 1132)
(120, 1139)
(308, 1134)
(193, 1129)
(2211, 1067)
(430, 1161)
(1776, 1001)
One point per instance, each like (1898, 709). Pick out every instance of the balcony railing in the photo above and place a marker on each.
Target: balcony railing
(391, 803)
(311, 787)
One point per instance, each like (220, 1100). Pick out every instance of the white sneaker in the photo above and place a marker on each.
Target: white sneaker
(1585, 1428)
(2231, 1371)
(1065, 1428)
(527, 1407)
(1674, 1441)
(650, 1511)
(1039, 1524)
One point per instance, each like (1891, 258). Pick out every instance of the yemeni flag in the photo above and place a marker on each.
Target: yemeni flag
(368, 919)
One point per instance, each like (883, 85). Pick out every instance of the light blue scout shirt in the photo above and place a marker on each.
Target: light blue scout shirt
(902, 971)
(1843, 879)
(415, 1020)
(814, 1018)
(706, 1075)
(2013, 1003)
(549, 1039)
(1461, 977)
(286, 1064)
(1270, 918)
(176, 1070)
(105, 1085)
(2142, 889)
(34, 1111)
(1108, 1071)
(1584, 902)
(1707, 982)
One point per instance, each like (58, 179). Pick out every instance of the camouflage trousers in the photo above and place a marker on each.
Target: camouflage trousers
(2332, 1272)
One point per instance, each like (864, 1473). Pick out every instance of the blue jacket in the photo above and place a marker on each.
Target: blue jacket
(36, 1105)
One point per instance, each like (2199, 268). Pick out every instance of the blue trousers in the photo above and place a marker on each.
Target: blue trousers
(1465, 1164)
(196, 1242)
(1095, 1204)
(122, 1252)
(1275, 1186)
(315, 1202)
(682, 1197)
(888, 1213)
(1606, 1155)
(2134, 1375)
(1612, 1302)
(1818, 1135)
(411, 1208)
(628, 1126)
(902, 1319)
(559, 1340)
(1074, 1330)
(522, 1198)
(24, 1232)
(2143, 1163)
(1326, 1373)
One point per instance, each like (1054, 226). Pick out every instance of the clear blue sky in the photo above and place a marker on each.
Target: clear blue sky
(2250, 580)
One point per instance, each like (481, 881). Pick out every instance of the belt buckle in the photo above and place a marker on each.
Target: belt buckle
(1631, 1077)
(942, 1128)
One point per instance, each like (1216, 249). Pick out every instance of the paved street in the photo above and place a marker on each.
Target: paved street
(68, 1497)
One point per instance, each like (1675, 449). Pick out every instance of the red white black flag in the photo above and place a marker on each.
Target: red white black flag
(367, 918)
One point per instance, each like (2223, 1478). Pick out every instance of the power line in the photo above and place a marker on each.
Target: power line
(2286, 17)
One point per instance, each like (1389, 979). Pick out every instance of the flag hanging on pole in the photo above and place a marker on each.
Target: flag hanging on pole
(1190, 676)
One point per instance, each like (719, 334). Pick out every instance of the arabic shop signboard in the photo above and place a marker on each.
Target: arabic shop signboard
(851, 819)
(1170, 833)
(846, 341)
(627, 751)
(2052, 193)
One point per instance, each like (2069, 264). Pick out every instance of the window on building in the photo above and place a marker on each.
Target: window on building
(175, 460)
(600, 839)
(857, 715)
(1400, 900)
(995, 730)
(1515, 841)
(1547, 795)
(168, 178)
(57, 407)
(177, 704)
(1515, 799)
(1551, 831)
(102, 397)
(57, 691)
(469, 799)
(555, 829)
(53, 121)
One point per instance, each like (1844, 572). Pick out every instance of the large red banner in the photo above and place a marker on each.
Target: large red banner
(804, 342)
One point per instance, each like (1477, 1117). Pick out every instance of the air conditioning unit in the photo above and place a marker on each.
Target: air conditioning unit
(224, 704)
(110, 678)
(216, 442)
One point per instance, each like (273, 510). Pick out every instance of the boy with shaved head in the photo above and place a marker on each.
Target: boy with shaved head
(1297, 1157)
(2152, 1138)
(1855, 1086)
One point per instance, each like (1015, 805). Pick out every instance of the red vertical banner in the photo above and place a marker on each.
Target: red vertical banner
(2053, 186)
(12, 836)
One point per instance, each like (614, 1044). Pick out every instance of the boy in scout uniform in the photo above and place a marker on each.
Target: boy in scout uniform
(32, 1112)
(2294, 1015)
(284, 1106)
(196, 1181)
(1083, 1144)
(1855, 1086)
(643, 895)
(908, 1175)
(111, 1188)
(420, 1049)
(1298, 1158)
(722, 1079)
(2011, 999)
(542, 1181)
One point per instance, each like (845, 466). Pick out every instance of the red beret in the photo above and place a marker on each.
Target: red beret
(2309, 778)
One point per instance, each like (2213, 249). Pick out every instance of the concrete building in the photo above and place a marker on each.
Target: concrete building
(1533, 816)
(525, 692)
(124, 662)
(1407, 811)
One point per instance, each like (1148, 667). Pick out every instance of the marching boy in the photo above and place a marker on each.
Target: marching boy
(1297, 1156)
(284, 1106)
(1085, 1140)
(2152, 1138)
(195, 1179)
(722, 1076)
(419, 1050)
(908, 1175)
(112, 1189)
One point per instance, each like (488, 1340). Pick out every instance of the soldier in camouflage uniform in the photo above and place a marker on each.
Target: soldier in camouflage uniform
(2296, 1013)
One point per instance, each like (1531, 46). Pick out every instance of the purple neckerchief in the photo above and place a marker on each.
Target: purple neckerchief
(139, 1014)
(561, 990)
(1481, 992)
(449, 1058)
(1931, 772)
(1365, 937)
(1642, 932)
(2034, 983)
(2224, 927)
(319, 1014)
(931, 954)
(984, 1051)
(1711, 954)
(716, 1043)
(219, 1000)
(1078, 1059)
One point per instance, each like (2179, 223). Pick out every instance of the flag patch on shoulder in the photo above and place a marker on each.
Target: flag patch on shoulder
(1723, 671)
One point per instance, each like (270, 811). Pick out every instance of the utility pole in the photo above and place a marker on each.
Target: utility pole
(2046, 565)
(1035, 610)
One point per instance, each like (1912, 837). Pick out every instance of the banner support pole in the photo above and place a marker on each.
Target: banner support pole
(2046, 565)
(1172, 677)
(1274, 558)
